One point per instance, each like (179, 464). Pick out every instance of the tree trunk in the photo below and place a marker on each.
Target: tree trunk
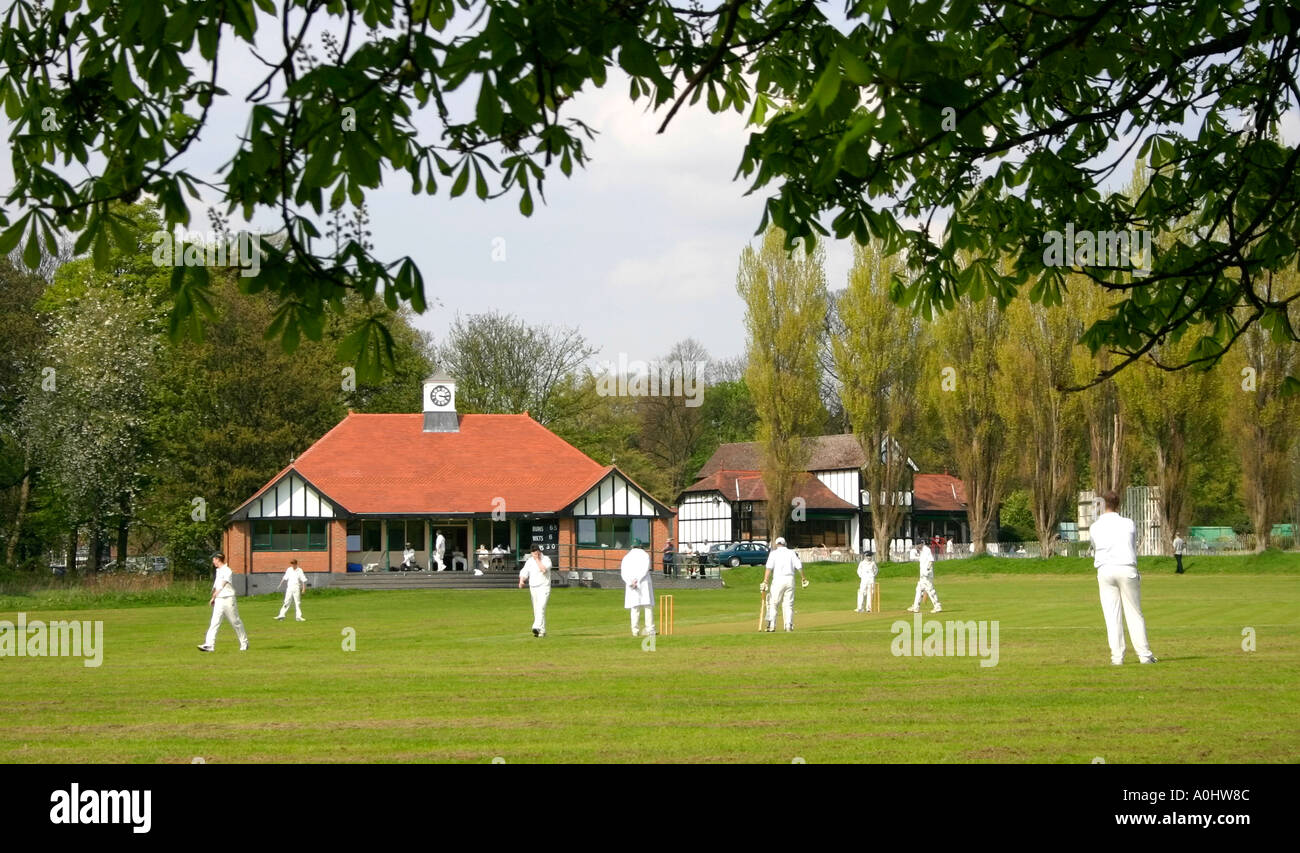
(123, 524)
(24, 493)
(96, 542)
(884, 526)
(71, 564)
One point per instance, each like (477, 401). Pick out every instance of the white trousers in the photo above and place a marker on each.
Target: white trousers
(294, 595)
(783, 594)
(926, 586)
(225, 608)
(437, 559)
(1121, 591)
(864, 595)
(649, 618)
(541, 595)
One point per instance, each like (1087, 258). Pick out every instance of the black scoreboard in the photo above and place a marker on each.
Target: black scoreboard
(544, 533)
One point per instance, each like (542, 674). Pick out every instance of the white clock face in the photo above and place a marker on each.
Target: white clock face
(440, 395)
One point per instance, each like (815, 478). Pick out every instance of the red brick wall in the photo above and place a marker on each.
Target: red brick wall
(238, 546)
(278, 561)
(609, 558)
(338, 543)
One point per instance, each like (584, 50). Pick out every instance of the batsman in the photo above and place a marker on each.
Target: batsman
(782, 563)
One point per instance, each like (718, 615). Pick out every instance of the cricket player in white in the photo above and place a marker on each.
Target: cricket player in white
(296, 579)
(782, 563)
(1114, 548)
(867, 571)
(440, 548)
(639, 589)
(925, 586)
(537, 573)
(223, 604)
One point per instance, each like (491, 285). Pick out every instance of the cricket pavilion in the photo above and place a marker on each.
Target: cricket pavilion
(378, 486)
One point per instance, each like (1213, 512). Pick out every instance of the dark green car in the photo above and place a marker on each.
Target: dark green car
(741, 554)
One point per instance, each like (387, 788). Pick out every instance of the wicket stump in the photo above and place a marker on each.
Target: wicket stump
(665, 614)
(875, 598)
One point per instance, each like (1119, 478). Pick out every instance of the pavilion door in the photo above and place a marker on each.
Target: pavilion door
(456, 543)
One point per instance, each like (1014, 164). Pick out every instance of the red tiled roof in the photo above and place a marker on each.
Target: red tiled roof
(386, 463)
(938, 493)
(748, 486)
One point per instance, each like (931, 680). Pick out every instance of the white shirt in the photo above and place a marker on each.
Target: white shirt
(1178, 544)
(783, 562)
(440, 544)
(926, 558)
(408, 556)
(534, 574)
(867, 569)
(223, 583)
(1114, 540)
(295, 578)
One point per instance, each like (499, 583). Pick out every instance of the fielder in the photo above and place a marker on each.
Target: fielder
(782, 563)
(1114, 548)
(296, 579)
(925, 586)
(223, 604)
(639, 588)
(537, 572)
(867, 571)
(440, 548)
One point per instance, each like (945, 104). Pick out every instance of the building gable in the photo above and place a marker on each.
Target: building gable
(614, 494)
(289, 496)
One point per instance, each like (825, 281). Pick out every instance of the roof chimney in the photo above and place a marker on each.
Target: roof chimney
(440, 403)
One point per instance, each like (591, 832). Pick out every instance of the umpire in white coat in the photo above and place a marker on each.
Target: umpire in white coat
(1114, 548)
(782, 563)
(537, 574)
(639, 588)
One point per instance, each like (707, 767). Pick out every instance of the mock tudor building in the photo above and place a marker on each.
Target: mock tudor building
(376, 482)
(728, 503)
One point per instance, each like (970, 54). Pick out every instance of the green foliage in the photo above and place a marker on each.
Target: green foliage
(730, 417)
(1016, 523)
(785, 306)
(1003, 117)
(879, 357)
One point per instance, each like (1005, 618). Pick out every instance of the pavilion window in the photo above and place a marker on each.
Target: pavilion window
(287, 534)
(613, 532)
(372, 535)
(402, 531)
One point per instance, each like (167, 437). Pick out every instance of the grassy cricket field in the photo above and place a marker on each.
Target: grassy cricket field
(456, 676)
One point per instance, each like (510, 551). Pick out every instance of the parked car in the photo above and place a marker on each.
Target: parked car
(742, 553)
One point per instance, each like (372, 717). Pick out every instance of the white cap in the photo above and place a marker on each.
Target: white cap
(780, 540)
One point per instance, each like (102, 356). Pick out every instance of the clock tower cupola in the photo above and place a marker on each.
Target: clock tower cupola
(440, 403)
